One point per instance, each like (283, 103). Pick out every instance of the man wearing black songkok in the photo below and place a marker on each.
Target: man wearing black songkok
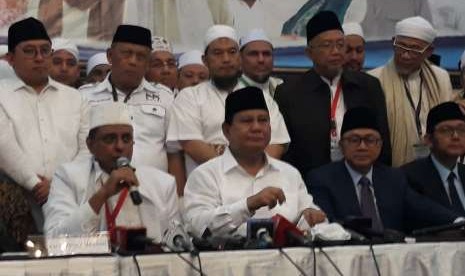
(313, 106)
(244, 181)
(440, 176)
(359, 187)
(43, 123)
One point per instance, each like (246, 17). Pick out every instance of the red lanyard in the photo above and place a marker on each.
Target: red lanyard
(111, 216)
(333, 110)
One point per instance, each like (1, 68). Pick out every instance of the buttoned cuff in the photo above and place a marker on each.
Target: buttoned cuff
(239, 212)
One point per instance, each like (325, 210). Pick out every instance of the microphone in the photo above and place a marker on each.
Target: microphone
(438, 229)
(177, 240)
(122, 162)
(260, 233)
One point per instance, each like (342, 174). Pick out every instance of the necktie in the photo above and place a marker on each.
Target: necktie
(455, 202)
(367, 204)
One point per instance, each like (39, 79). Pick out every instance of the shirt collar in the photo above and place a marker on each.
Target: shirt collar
(19, 83)
(214, 87)
(230, 162)
(99, 172)
(248, 81)
(335, 80)
(106, 86)
(356, 176)
(442, 170)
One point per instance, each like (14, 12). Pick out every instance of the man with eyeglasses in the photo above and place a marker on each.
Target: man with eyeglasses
(44, 123)
(440, 176)
(149, 104)
(163, 66)
(412, 86)
(358, 186)
(314, 105)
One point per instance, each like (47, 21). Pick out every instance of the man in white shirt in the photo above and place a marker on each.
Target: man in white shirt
(245, 182)
(198, 111)
(65, 62)
(43, 122)
(257, 61)
(191, 70)
(85, 193)
(162, 67)
(355, 46)
(97, 68)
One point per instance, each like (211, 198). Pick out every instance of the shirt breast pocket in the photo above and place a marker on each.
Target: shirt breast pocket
(155, 110)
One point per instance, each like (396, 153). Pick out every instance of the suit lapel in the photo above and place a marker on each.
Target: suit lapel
(347, 190)
(352, 97)
(436, 187)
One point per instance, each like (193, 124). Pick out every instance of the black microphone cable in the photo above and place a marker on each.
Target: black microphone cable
(331, 261)
(193, 253)
(314, 260)
(136, 262)
(374, 259)
(292, 262)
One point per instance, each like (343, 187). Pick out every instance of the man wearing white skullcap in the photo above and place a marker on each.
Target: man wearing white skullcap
(65, 62)
(198, 111)
(355, 46)
(97, 68)
(82, 190)
(191, 70)
(257, 62)
(162, 66)
(412, 86)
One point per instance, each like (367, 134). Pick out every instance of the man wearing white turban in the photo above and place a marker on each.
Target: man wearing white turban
(65, 62)
(412, 86)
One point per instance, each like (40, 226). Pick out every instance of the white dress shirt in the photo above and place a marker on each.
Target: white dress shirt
(149, 107)
(341, 107)
(198, 113)
(68, 211)
(40, 131)
(216, 195)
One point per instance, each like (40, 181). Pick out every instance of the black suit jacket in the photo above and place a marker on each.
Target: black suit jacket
(305, 106)
(400, 208)
(424, 178)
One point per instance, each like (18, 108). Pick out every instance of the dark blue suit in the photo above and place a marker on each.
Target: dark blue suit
(424, 178)
(399, 207)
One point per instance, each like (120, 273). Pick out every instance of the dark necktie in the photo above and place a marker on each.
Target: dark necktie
(455, 202)
(367, 204)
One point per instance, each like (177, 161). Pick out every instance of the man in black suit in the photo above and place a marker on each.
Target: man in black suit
(439, 176)
(357, 186)
(313, 107)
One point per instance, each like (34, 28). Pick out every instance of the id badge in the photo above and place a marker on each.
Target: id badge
(421, 150)
(336, 153)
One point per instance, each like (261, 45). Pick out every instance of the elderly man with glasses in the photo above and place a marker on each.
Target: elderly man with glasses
(412, 86)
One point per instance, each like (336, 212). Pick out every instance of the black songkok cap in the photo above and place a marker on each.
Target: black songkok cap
(244, 99)
(359, 117)
(26, 29)
(443, 112)
(321, 22)
(133, 34)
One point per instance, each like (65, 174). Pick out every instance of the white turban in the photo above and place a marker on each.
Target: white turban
(219, 31)
(352, 28)
(112, 113)
(254, 35)
(3, 50)
(416, 27)
(161, 44)
(462, 61)
(97, 59)
(65, 44)
(190, 57)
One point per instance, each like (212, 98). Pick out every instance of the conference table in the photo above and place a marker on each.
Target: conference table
(446, 258)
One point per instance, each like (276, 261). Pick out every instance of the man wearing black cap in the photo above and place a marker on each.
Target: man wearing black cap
(439, 176)
(314, 105)
(43, 122)
(359, 187)
(245, 182)
(148, 104)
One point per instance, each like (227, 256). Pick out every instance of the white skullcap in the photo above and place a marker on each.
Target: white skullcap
(3, 50)
(219, 31)
(112, 113)
(416, 27)
(462, 61)
(65, 44)
(352, 28)
(190, 57)
(161, 44)
(97, 59)
(254, 35)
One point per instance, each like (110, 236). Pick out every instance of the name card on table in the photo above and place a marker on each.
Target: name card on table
(98, 243)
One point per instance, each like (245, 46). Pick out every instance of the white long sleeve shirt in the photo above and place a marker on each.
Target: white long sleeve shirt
(216, 195)
(68, 211)
(40, 131)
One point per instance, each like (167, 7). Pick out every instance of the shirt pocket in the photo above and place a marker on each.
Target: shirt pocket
(155, 110)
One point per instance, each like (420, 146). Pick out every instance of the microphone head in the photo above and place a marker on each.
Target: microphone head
(122, 161)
